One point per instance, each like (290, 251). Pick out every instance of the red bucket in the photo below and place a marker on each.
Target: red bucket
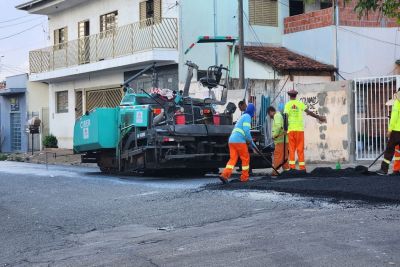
(217, 119)
(180, 118)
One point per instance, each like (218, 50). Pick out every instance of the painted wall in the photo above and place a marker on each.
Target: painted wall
(253, 70)
(318, 44)
(363, 51)
(5, 127)
(37, 96)
(37, 102)
(197, 19)
(330, 142)
(62, 124)
(13, 82)
(128, 12)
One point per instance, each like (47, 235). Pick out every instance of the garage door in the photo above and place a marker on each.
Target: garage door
(103, 98)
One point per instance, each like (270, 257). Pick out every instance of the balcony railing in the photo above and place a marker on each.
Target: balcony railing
(122, 41)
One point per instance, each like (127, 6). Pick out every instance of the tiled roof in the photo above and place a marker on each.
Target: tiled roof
(284, 60)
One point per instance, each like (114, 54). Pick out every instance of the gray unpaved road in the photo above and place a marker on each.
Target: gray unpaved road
(70, 216)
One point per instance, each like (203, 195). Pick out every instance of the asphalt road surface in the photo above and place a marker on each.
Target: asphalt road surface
(72, 216)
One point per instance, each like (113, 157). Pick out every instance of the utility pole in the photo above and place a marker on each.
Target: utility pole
(215, 33)
(241, 45)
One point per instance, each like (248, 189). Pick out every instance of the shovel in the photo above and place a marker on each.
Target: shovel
(255, 148)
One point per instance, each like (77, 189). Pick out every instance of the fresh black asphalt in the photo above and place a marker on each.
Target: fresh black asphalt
(350, 184)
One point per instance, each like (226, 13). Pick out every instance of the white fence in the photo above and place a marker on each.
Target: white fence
(371, 114)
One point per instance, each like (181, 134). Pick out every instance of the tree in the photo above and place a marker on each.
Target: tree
(388, 8)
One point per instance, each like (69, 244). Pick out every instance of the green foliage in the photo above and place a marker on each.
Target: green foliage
(3, 157)
(388, 8)
(50, 141)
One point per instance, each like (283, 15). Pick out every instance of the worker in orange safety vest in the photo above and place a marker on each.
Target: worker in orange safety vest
(294, 110)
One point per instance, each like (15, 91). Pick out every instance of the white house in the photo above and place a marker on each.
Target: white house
(95, 45)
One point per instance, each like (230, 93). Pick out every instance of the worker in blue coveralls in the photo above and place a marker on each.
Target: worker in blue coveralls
(239, 140)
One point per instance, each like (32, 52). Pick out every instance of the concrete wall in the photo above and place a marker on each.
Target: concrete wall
(62, 124)
(128, 12)
(37, 96)
(197, 19)
(363, 51)
(37, 101)
(330, 142)
(318, 44)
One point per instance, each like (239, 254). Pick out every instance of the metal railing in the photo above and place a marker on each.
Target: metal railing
(122, 41)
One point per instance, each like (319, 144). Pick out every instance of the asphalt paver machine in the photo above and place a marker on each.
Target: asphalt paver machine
(163, 130)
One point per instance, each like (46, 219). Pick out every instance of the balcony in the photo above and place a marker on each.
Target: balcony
(132, 39)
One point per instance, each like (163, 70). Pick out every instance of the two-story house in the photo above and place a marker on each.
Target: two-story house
(95, 44)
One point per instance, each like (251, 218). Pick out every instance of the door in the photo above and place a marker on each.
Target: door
(84, 42)
(78, 104)
(15, 127)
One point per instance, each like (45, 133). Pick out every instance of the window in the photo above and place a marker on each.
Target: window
(150, 11)
(108, 23)
(296, 7)
(263, 12)
(60, 38)
(325, 4)
(84, 42)
(62, 102)
(14, 104)
(83, 29)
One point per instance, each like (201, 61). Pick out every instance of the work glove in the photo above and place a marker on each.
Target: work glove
(322, 119)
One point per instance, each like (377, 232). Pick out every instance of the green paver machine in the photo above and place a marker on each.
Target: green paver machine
(164, 130)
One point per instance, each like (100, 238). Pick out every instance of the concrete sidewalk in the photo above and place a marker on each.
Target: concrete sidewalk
(51, 156)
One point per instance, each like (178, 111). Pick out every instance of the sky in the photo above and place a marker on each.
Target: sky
(30, 33)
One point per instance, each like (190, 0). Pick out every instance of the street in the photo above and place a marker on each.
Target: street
(75, 216)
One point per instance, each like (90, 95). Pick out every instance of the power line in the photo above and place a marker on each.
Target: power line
(12, 70)
(12, 67)
(28, 45)
(369, 37)
(14, 19)
(15, 34)
(252, 29)
(19, 23)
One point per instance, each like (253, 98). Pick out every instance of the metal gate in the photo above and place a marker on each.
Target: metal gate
(371, 114)
(103, 98)
(36, 137)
